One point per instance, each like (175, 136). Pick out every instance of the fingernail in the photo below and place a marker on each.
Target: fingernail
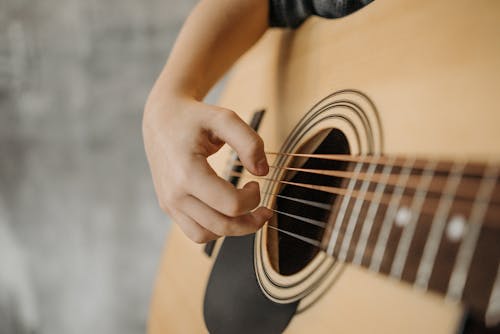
(262, 167)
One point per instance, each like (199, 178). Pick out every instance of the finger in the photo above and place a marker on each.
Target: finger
(191, 229)
(220, 224)
(218, 193)
(243, 139)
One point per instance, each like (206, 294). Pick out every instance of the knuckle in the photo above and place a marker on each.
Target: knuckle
(224, 117)
(227, 114)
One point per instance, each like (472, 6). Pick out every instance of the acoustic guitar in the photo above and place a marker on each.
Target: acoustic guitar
(382, 130)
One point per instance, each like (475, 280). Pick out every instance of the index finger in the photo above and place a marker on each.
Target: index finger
(229, 127)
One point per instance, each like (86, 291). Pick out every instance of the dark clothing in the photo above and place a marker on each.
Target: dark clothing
(291, 13)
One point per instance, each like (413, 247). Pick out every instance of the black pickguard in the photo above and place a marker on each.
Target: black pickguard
(234, 302)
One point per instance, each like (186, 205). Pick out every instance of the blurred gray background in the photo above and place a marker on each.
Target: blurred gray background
(80, 230)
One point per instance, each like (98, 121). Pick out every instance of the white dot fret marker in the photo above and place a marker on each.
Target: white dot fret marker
(410, 218)
(403, 216)
(438, 226)
(456, 228)
(466, 251)
(390, 214)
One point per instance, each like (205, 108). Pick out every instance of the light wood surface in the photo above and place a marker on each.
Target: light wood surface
(433, 70)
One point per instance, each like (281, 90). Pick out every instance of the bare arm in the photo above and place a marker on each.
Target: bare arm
(214, 36)
(180, 131)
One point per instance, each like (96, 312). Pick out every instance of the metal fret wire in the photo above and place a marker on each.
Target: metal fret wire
(459, 197)
(399, 260)
(342, 211)
(437, 227)
(464, 256)
(383, 236)
(355, 213)
(370, 216)
(466, 251)
(460, 273)
(493, 310)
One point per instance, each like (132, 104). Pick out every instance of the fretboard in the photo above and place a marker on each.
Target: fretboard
(434, 224)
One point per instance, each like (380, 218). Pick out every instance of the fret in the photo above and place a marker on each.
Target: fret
(493, 310)
(437, 226)
(390, 214)
(372, 211)
(409, 229)
(468, 246)
(482, 272)
(356, 210)
(343, 208)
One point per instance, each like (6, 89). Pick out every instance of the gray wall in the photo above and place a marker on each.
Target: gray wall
(80, 231)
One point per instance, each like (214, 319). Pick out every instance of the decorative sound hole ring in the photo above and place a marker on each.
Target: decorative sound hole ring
(347, 117)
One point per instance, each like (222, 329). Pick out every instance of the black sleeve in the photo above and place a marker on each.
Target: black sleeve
(291, 13)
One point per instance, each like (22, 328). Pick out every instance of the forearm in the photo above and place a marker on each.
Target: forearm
(214, 36)
(180, 131)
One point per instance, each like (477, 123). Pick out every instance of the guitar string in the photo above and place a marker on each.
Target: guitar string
(300, 218)
(303, 238)
(383, 202)
(297, 236)
(321, 205)
(383, 159)
(318, 244)
(316, 187)
(317, 204)
(312, 242)
(369, 196)
(369, 159)
(467, 187)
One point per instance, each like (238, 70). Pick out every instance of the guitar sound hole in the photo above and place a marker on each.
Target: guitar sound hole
(288, 255)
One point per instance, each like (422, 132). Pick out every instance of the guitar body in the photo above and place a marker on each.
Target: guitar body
(430, 71)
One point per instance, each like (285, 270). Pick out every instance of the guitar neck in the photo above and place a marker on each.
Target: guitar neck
(433, 224)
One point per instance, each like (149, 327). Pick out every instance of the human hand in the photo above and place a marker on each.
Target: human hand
(179, 134)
